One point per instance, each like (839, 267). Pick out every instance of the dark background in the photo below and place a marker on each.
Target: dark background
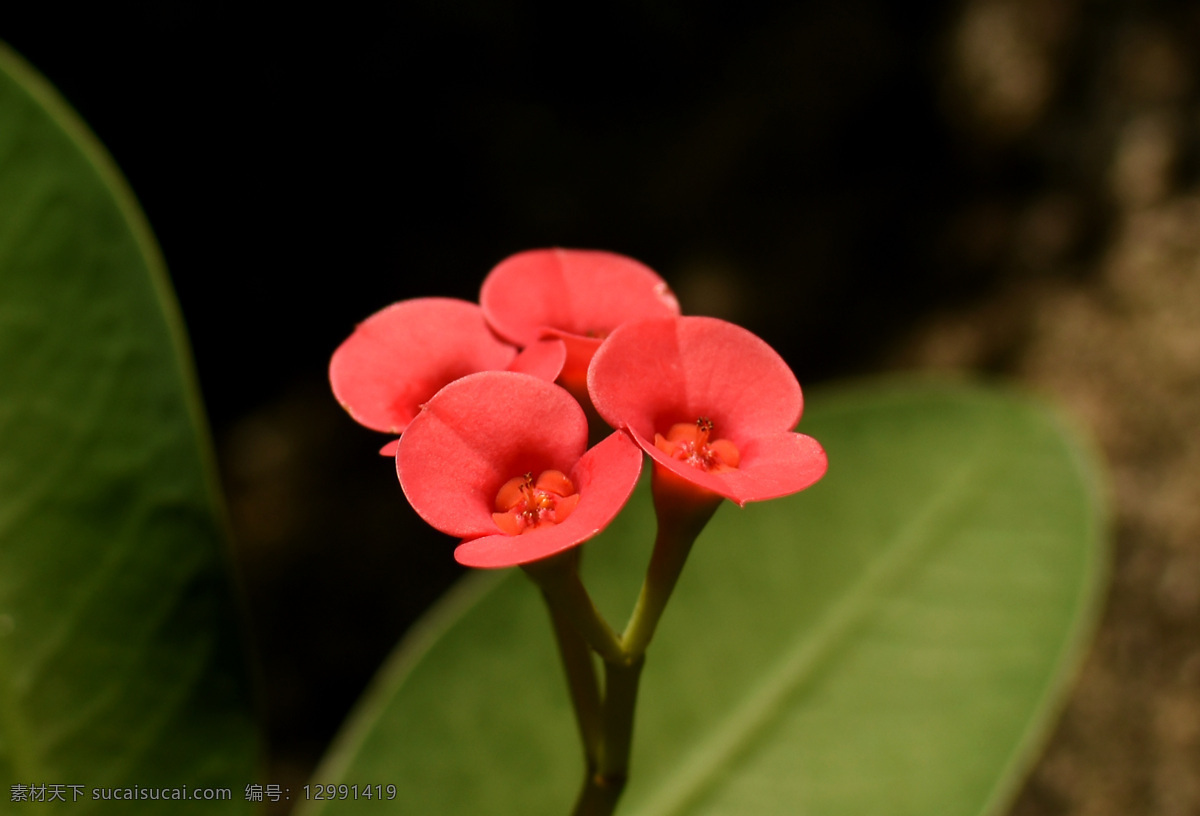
(867, 185)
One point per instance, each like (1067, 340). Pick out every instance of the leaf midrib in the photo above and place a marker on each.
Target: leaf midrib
(698, 771)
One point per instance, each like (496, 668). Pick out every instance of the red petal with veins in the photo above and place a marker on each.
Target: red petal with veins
(544, 360)
(579, 296)
(652, 374)
(475, 435)
(399, 357)
(604, 477)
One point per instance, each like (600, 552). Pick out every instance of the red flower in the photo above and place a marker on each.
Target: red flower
(711, 403)
(497, 459)
(578, 296)
(401, 356)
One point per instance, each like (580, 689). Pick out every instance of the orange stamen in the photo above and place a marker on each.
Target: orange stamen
(689, 442)
(523, 504)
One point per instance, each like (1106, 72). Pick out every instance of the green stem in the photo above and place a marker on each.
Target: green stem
(596, 798)
(581, 681)
(606, 720)
(682, 509)
(620, 700)
(602, 786)
(558, 578)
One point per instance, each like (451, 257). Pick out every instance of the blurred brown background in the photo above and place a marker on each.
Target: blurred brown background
(1002, 187)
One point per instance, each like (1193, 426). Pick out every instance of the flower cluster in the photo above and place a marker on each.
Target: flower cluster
(489, 403)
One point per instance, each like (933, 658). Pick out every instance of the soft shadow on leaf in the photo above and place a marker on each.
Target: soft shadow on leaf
(119, 663)
(895, 640)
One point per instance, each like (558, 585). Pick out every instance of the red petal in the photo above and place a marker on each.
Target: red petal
(652, 374)
(475, 435)
(774, 466)
(579, 353)
(604, 477)
(400, 356)
(770, 467)
(544, 360)
(579, 292)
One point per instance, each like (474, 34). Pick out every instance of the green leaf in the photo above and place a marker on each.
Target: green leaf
(895, 640)
(119, 663)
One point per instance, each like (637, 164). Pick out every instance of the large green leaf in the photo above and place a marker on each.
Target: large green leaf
(892, 641)
(119, 664)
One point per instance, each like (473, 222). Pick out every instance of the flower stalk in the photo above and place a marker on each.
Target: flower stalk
(682, 511)
(580, 671)
(606, 716)
(558, 578)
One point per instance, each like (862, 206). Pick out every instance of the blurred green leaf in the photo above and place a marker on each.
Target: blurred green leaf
(895, 640)
(119, 662)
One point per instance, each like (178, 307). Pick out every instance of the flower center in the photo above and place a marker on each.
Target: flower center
(524, 504)
(691, 442)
